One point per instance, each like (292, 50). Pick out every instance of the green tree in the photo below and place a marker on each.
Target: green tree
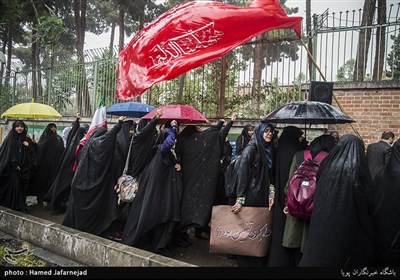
(346, 72)
(11, 23)
(393, 58)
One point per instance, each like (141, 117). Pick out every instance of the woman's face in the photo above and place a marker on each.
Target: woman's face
(250, 131)
(19, 128)
(268, 134)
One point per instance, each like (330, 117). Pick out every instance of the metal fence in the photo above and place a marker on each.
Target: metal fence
(228, 81)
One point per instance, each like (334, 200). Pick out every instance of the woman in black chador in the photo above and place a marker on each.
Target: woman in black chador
(49, 152)
(251, 179)
(199, 154)
(155, 211)
(92, 203)
(387, 211)
(17, 161)
(60, 188)
(341, 232)
(243, 139)
(288, 144)
(124, 136)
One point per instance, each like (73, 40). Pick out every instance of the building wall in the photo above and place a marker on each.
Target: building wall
(375, 107)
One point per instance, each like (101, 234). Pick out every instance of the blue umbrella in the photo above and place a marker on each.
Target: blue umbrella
(130, 109)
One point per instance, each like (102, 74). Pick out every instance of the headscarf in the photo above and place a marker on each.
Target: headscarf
(322, 143)
(243, 139)
(11, 147)
(266, 145)
(142, 123)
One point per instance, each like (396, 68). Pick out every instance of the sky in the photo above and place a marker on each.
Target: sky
(317, 7)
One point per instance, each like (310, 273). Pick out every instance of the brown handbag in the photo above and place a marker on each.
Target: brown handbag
(246, 233)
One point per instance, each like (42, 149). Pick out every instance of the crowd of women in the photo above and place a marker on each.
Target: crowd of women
(181, 177)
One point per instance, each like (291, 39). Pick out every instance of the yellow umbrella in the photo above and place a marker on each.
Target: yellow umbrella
(31, 110)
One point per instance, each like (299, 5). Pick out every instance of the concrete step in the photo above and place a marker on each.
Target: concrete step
(43, 228)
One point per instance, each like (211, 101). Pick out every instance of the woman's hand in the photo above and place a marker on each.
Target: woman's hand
(286, 210)
(233, 117)
(270, 203)
(159, 113)
(236, 208)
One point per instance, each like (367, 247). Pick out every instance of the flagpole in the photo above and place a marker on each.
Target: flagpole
(323, 77)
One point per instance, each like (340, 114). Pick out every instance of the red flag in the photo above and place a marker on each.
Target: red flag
(190, 35)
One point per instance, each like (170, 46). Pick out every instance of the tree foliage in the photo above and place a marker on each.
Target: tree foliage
(393, 58)
(49, 31)
(346, 72)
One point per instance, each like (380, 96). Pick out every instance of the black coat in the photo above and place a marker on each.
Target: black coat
(378, 157)
(387, 211)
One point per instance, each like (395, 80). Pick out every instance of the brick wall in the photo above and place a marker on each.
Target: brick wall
(375, 107)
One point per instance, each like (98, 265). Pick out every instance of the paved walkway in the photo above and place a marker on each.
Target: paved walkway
(196, 254)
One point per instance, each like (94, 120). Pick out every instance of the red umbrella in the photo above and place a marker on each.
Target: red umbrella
(182, 113)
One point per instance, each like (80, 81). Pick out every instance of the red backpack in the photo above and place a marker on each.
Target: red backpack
(301, 187)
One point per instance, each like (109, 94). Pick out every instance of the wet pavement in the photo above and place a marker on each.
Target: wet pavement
(196, 254)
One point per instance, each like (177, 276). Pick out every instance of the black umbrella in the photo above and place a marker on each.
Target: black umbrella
(308, 112)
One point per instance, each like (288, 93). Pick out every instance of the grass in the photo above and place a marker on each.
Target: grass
(9, 256)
